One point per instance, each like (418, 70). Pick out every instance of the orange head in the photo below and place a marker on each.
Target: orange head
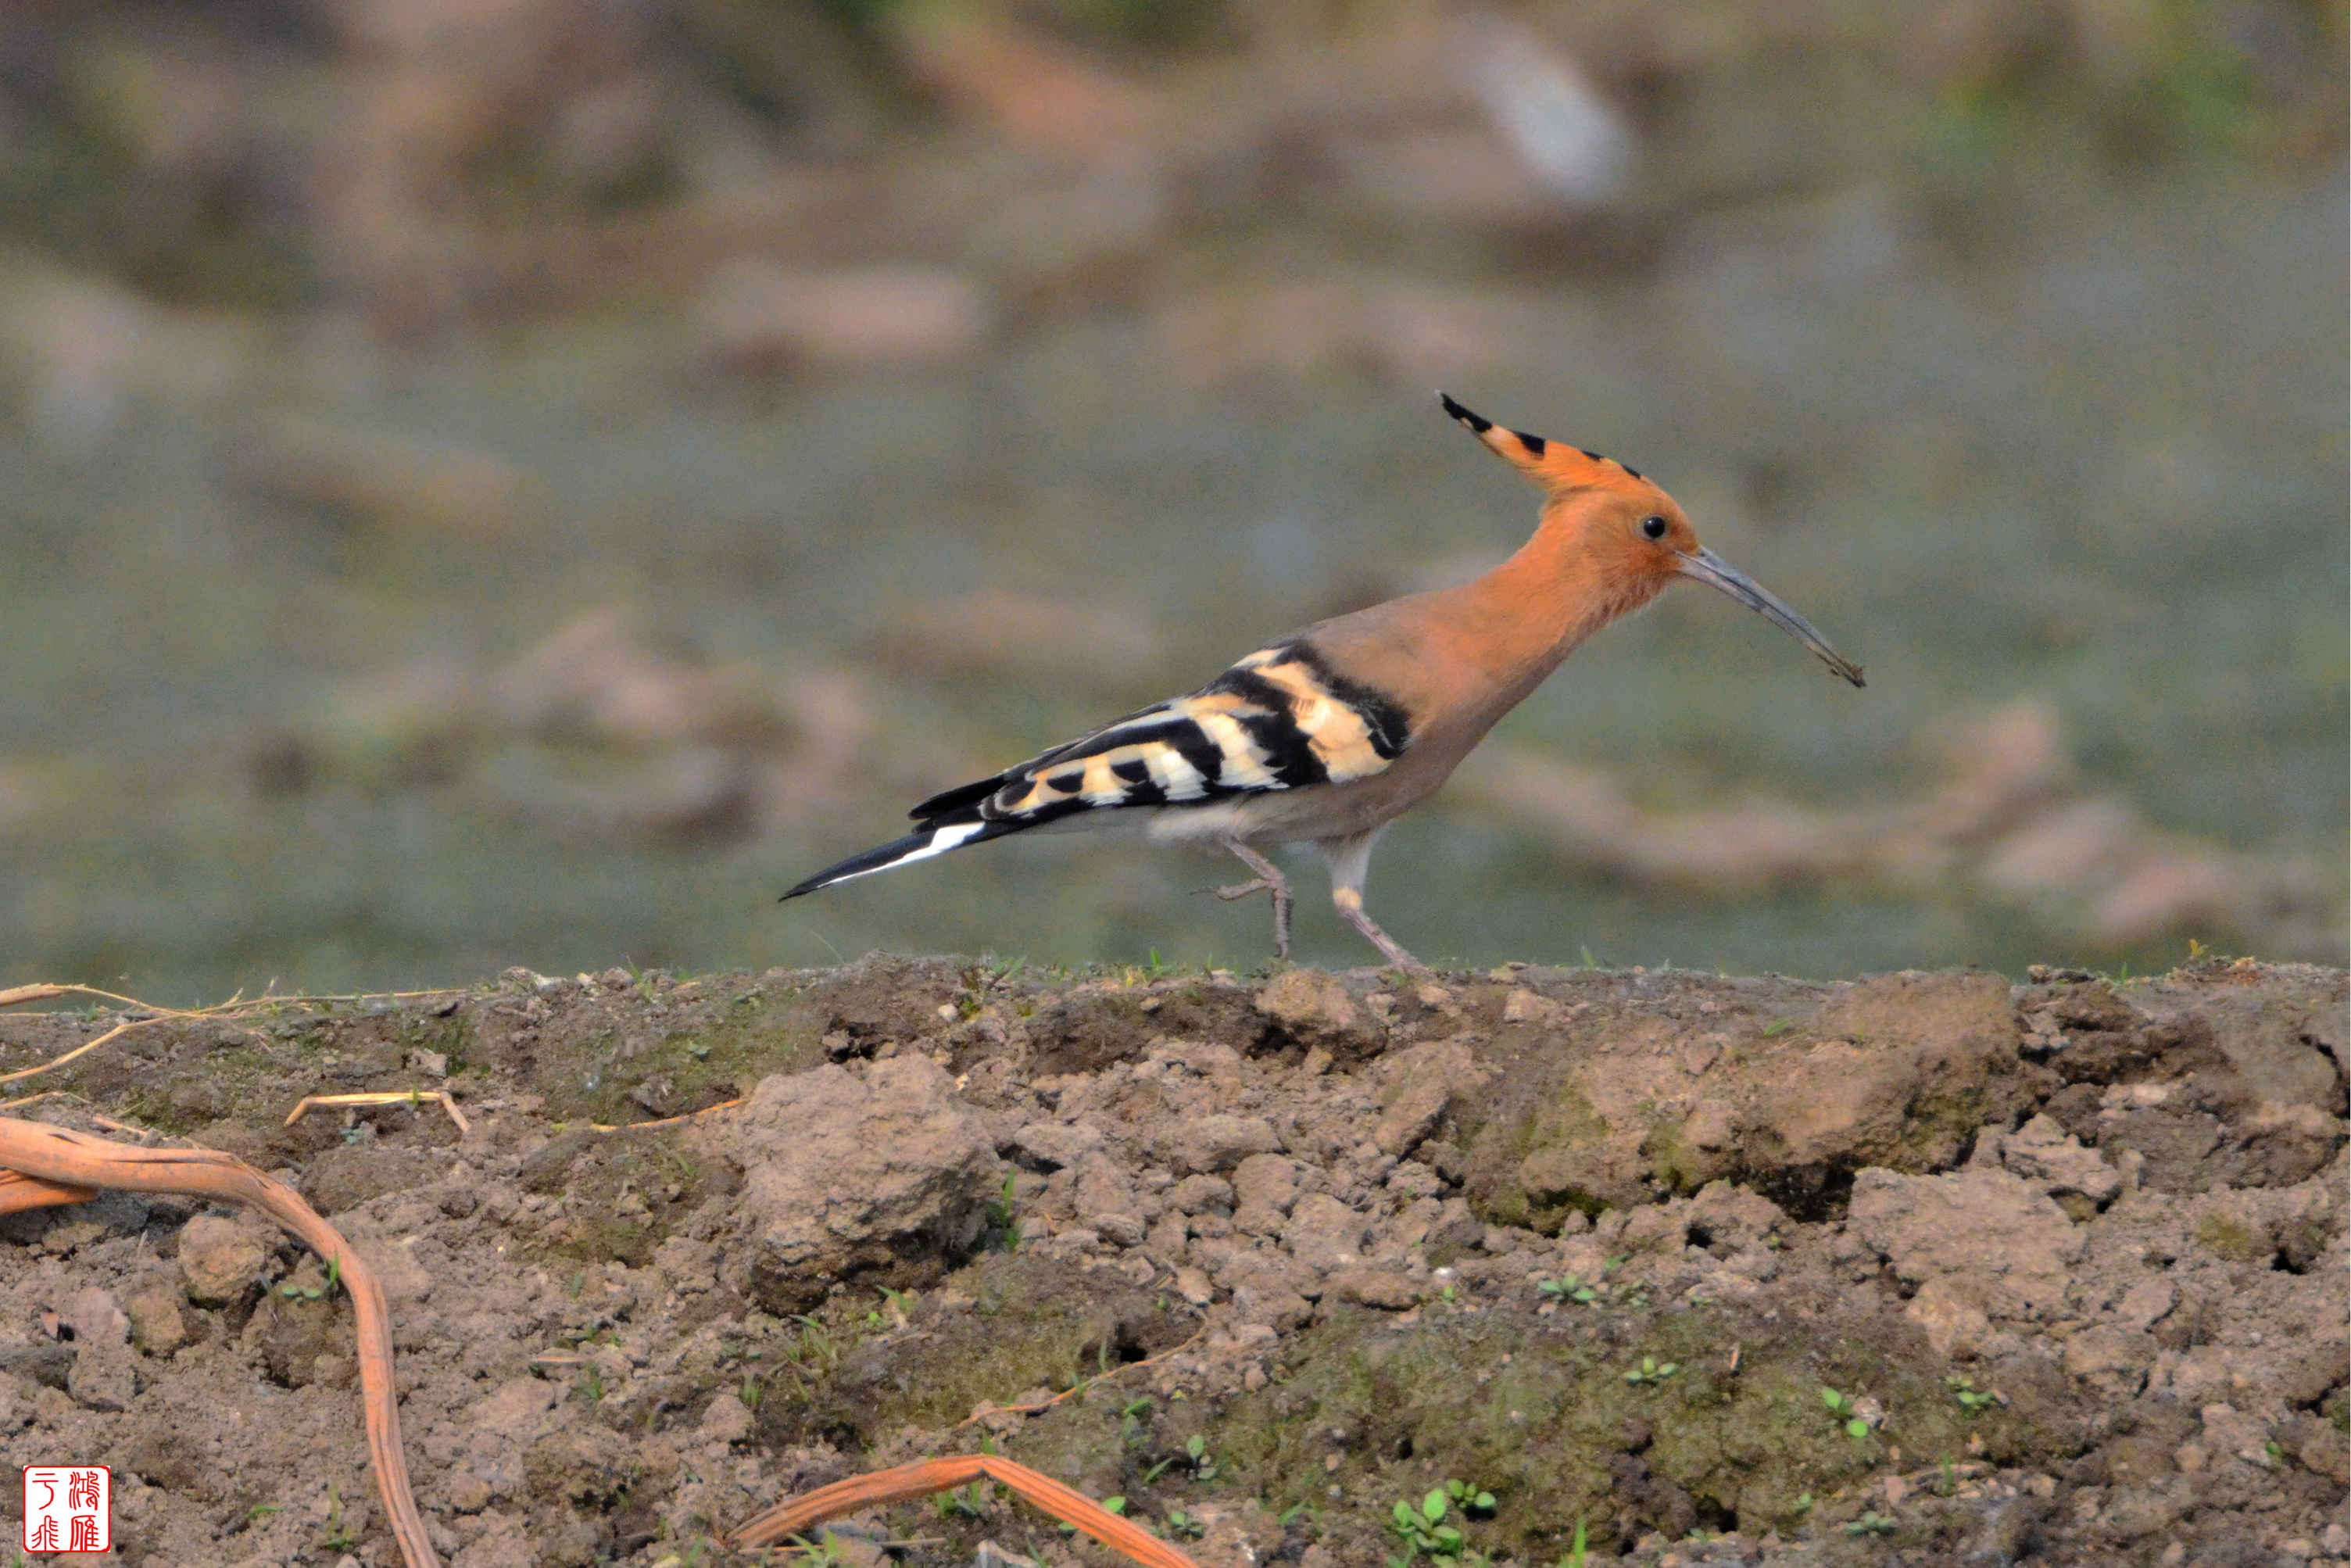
(1639, 537)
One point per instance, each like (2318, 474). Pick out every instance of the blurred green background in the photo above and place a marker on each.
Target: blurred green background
(500, 482)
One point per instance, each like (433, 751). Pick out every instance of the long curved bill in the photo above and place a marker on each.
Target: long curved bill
(1715, 572)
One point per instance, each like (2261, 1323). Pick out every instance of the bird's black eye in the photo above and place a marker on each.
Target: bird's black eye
(1653, 529)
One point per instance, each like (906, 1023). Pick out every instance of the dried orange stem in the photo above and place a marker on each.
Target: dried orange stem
(45, 1164)
(920, 1479)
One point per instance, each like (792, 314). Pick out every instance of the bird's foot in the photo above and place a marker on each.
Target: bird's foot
(1280, 891)
(1413, 968)
(1269, 880)
(1351, 909)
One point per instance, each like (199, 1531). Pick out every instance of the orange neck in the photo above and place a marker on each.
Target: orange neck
(1520, 620)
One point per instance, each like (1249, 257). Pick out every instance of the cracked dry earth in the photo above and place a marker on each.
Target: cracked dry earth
(2069, 1255)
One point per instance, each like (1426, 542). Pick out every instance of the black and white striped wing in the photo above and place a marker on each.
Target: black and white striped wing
(1281, 718)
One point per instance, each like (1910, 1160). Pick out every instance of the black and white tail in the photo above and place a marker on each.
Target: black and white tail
(932, 839)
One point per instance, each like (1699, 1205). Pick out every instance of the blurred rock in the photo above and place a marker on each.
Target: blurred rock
(1404, 332)
(758, 316)
(77, 354)
(405, 727)
(2010, 823)
(384, 478)
(1035, 90)
(598, 678)
(595, 731)
(573, 261)
(1066, 237)
(1587, 813)
(687, 792)
(2010, 760)
(1554, 121)
(460, 118)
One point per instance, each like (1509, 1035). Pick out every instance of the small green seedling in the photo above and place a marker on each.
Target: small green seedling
(312, 1292)
(1574, 1558)
(1423, 1528)
(1568, 1288)
(1183, 1525)
(824, 1552)
(1196, 1458)
(1840, 1405)
(891, 1314)
(339, 1536)
(1971, 1400)
(1001, 1214)
(964, 1500)
(814, 1345)
(1652, 1371)
(1470, 1500)
(1871, 1523)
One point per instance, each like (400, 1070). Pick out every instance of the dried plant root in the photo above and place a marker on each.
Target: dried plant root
(1071, 1507)
(46, 1164)
(19, 1192)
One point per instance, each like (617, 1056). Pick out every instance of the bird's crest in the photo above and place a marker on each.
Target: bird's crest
(1554, 465)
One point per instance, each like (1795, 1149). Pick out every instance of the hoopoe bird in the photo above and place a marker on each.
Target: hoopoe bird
(1327, 735)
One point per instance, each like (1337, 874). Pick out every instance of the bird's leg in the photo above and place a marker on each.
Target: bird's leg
(1269, 880)
(1350, 859)
(1351, 909)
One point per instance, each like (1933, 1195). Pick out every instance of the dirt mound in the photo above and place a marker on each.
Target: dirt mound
(1925, 1269)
